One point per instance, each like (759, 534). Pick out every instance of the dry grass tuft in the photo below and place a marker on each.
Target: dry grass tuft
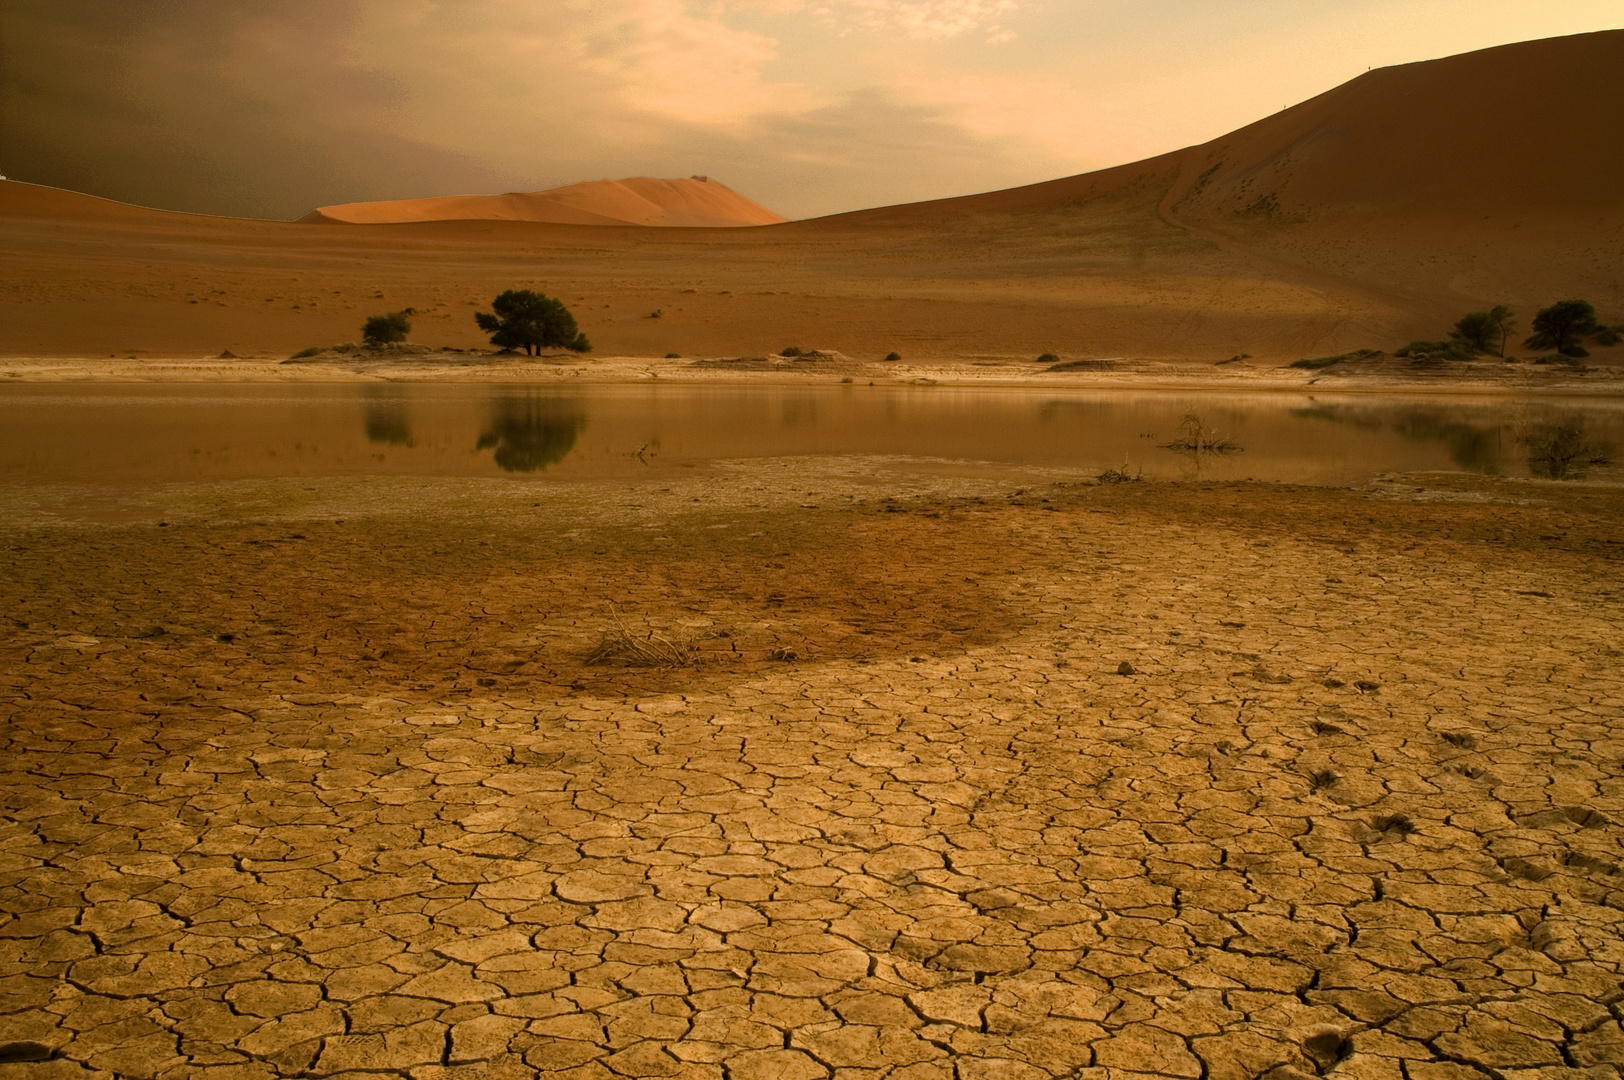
(621, 644)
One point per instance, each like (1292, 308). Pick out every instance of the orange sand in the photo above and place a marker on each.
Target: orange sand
(697, 202)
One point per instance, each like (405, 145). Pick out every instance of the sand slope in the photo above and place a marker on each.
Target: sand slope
(696, 202)
(1373, 214)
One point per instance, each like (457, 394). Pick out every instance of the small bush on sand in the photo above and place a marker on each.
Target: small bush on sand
(1048, 358)
(1437, 350)
(314, 350)
(386, 329)
(673, 356)
(792, 351)
(892, 357)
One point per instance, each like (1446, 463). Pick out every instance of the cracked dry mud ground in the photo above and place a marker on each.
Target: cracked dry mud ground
(287, 795)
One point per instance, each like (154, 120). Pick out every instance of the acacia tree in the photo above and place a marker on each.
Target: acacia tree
(524, 319)
(1563, 325)
(1480, 329)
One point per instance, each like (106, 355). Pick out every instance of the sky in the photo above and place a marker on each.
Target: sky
(267, 108)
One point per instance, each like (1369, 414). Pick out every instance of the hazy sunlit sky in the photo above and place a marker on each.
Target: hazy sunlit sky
(269, 107)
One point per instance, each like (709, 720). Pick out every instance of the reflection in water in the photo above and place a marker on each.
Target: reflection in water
(531, 433)
(796, 409)
(223, 432)
(1470, 446)
(1563, 451)
(387, 420)
(1475, 447)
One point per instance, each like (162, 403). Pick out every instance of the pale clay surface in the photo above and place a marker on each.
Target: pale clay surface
(976, 853)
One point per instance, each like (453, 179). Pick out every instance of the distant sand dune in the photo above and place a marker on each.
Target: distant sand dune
(697, 202)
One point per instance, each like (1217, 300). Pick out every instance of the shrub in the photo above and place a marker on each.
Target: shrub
(1120, 476)
(314, 350)
(892, 357)
(793, 350)
(1436, 350)
(1563, 325)
(1485, 331)
(1048, 358)
(386, 329)
(1197, 438)
(528, 320)
(673, 356)
(1564, 451)
(1316, 362)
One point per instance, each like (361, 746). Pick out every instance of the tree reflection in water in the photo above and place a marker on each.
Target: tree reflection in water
(387, 420)
(1474, 447)
(531, 433)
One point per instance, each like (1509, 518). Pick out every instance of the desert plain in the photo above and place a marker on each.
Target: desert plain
(817, 767)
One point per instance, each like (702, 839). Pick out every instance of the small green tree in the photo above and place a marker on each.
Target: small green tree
(1486, 331)
(1562, 327)
(386, 329)
(527, 320)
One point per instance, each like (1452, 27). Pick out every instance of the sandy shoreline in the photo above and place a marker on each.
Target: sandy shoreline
(1485, 378)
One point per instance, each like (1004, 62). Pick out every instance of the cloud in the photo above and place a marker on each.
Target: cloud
(927, 20)
(656, 58)
(271, 107)
(872, 148)
(241, 108)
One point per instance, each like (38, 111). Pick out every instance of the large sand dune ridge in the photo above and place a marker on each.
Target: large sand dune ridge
(695, 202)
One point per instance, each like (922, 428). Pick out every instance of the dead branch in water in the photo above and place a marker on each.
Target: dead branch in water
(1197, 438)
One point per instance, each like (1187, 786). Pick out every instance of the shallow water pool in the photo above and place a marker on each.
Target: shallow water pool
(142, 434)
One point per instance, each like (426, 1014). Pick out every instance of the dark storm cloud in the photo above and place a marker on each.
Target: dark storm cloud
(267, 108)
(241, 107)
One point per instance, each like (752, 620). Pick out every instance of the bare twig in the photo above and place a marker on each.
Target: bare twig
(619, 644)
(1197, 438)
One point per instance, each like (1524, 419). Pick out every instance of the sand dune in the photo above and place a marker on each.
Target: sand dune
(1372, 214)
(1526, 128)
(697, 202)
